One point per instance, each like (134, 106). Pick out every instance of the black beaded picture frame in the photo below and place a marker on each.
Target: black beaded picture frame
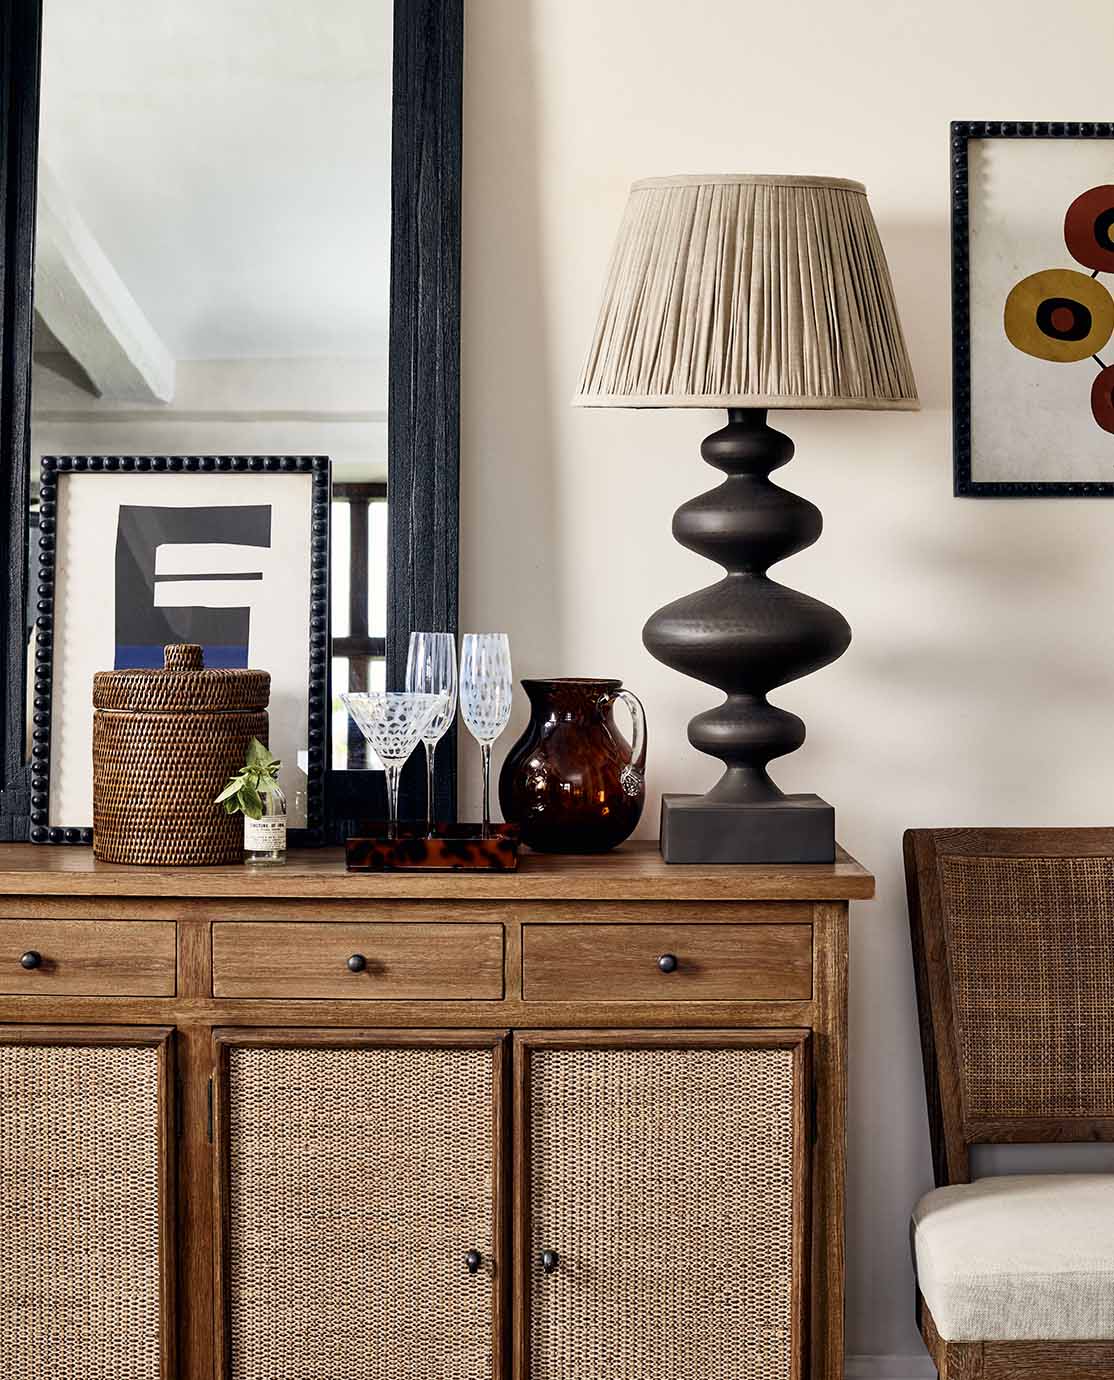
(317, 727)
(967, 483)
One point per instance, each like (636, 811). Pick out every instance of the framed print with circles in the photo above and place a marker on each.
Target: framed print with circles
(1033, 314)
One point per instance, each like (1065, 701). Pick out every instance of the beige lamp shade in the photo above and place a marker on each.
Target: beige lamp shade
(748, 291)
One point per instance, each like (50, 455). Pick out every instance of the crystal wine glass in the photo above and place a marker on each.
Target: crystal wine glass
(431, 670)
(392, 722)
(485, 698)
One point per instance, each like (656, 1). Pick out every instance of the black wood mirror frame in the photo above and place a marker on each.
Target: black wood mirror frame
(423, 387)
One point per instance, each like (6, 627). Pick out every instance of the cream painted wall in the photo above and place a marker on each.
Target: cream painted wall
(980, 684)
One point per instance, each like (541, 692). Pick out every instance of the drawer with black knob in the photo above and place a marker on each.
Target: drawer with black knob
(358, 960)
(87, 958)
(681, 962)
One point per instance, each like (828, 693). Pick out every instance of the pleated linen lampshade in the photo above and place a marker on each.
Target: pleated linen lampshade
(748, 291)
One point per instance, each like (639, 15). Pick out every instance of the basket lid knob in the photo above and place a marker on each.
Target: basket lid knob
(183, 656)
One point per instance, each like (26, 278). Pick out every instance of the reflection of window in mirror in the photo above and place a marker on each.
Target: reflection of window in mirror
(359, 608)
(213, 255)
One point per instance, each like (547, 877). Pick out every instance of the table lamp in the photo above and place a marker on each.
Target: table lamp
(747, 293)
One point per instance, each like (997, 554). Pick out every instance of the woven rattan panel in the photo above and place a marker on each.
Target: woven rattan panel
(79, 1213)
(1031, 958)
(360, 1179)
(663, 1179)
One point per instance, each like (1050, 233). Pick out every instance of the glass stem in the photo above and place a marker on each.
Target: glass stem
(430, 749)
(393, 774)
(485, 755)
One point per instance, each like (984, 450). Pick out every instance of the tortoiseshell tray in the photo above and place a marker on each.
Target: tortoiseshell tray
(453, 848)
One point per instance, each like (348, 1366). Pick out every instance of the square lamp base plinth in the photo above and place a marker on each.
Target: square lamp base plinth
(796, 829)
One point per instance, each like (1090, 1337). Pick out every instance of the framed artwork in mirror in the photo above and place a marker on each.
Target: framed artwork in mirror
(1033, 314)
(183, 274)
(138, 552)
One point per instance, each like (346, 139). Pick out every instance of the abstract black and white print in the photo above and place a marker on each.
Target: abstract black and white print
(143, 560)
(186, 575)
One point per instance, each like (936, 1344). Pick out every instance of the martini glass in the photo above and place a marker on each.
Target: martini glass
(392, 722)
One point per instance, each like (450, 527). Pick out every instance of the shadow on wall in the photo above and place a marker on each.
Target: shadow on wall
(1009, 656)
(919, 257)
(976, 691)
(508, 408)
(982, 655)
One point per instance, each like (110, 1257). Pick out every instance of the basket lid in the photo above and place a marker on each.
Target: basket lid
(181, 684)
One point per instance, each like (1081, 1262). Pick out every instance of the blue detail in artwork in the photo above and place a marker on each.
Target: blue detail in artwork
(225, 658)
(132, 657)
(137, 658)
(143, 626)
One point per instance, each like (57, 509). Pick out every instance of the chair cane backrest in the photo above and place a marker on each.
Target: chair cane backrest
(1013, 949)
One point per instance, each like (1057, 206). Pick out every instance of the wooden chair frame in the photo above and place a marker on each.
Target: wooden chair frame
(953, 1131)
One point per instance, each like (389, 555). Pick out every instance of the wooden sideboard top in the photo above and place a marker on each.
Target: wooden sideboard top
(634, 872)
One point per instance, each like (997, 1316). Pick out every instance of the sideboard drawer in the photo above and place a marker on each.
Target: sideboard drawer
(362, 960)
(667, 962)
(87, 958)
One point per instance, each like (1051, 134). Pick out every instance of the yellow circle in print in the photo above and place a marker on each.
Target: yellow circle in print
(1060, 315)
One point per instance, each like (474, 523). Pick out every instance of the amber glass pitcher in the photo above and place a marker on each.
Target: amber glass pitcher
(572, 782)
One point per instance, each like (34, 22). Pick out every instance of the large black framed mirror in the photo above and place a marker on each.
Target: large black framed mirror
(309, 295)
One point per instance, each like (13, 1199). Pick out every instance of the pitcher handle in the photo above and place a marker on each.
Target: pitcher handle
(638, 725)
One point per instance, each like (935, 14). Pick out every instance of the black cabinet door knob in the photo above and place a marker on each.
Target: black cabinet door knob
(667, 963)
(357, 963)
(549, 1261)
(31, 959)
(473, 1260)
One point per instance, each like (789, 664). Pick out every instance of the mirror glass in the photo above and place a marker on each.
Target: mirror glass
(213, 258)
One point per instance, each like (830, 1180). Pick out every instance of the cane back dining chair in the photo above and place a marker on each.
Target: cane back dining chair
(1013, 949)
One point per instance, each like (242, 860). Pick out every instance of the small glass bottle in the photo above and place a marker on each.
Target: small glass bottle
(265, 838)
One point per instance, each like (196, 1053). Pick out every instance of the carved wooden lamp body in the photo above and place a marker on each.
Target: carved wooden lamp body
(746, 635)
(747, 293)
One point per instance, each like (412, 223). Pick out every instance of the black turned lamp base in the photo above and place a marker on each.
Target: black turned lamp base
(746, 635)
(794, 829)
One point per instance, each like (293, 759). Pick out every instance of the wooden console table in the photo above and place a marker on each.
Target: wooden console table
(578, 1123)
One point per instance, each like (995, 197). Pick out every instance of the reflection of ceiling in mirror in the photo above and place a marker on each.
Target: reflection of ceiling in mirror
(232, 160)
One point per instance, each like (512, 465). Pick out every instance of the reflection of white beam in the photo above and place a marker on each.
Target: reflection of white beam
(88, 307)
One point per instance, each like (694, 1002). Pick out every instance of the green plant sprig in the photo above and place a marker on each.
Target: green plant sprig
(256, 778)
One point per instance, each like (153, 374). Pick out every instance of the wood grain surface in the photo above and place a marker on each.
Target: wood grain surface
(108, 958)
(285, 957)
(634, 872)
(415, 962)
(620, 962)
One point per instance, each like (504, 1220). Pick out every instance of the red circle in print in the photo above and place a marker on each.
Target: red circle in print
(1089, 229)
(1102, 398)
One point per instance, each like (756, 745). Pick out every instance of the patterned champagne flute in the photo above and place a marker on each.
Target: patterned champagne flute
(485, 698)
(431, 670)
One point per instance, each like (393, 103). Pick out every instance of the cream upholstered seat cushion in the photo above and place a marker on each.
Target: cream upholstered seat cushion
(1019, 1258)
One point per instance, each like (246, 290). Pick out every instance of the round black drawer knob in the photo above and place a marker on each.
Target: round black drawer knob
(357, 963)
(668, 963)
(473, 1260)
(31, 959)
(549, 1261)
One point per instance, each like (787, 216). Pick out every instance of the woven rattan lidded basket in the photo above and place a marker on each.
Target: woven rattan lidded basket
(164, 743)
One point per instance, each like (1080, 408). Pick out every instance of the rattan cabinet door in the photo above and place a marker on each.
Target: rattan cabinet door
(86, 1217)
(361, 1206)
(661, 1179)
